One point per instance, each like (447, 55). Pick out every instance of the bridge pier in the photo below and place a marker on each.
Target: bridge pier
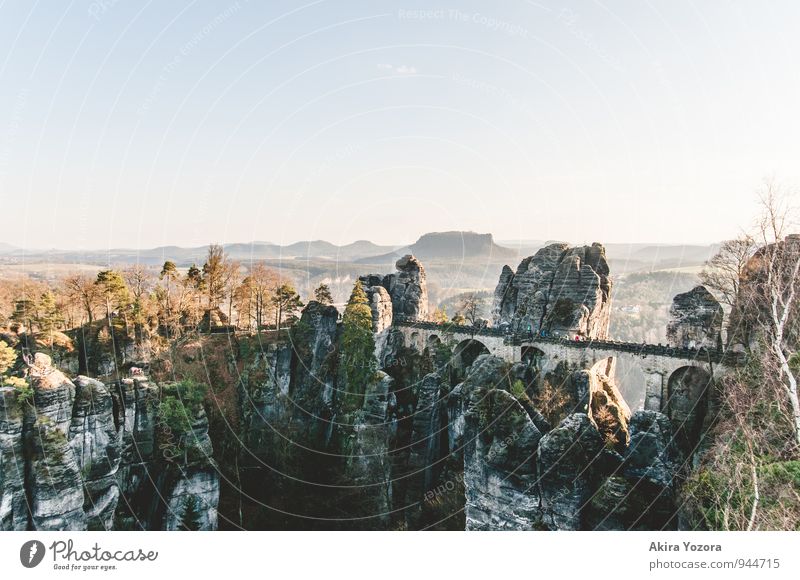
(655, 387)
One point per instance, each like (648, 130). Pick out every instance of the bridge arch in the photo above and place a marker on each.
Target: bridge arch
(532, 357)
(433, 342)
(466, 352)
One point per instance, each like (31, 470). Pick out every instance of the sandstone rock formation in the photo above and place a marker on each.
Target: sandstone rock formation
(607, 407)
(94, 441)
(569, 456)
(54, 476)
(695, 320)
(500, 441)
(312, 385)
(13, 503)
(200, 484)
(380, 303)
(559, 291)
(70, 452)
(264, 396)
(640, 494)
(407, 288)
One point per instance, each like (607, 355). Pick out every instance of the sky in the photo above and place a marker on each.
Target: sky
(141, 124)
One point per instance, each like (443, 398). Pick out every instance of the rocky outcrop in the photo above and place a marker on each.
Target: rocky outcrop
(94, 441)
(427, 425)
(559, 291)
(695, 320)
(188, 492)
(13, 503)
(569, 457)
(500, 476)
(264, 398)
(368, 462)
(191, 501)
(54, 476)
(70, 450)
(640, 494)
(137, 415)
(607, 407)
(380, 303)
(313, 375)
(408, 289)
(690, 406)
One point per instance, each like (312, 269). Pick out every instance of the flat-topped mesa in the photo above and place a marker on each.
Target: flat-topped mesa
(695, 320)
(407, 289)
(559, 291)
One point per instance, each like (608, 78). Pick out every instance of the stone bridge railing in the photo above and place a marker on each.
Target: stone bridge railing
(694, 354)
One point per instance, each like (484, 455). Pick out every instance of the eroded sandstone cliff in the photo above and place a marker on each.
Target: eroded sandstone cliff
(79, 455)
(561, 290)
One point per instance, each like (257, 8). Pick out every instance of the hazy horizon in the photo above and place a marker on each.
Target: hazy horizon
(508, 243)
(130, 126)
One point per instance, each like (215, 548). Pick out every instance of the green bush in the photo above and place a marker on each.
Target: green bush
(181, 402)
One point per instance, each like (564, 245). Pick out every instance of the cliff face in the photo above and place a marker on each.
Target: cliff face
(73, 449)
(559, 291)
(407, 288)
(695, 320)
(521, 474)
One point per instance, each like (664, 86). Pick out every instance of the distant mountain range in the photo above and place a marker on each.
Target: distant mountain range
(245, 252)
(442, 247)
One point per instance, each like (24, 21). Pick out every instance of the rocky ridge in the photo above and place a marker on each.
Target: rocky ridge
(559, 291)
(72, 449)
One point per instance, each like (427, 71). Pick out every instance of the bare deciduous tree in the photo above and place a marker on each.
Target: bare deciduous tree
(82, 289)
(779, 260)
(471, 306)
(722, 273)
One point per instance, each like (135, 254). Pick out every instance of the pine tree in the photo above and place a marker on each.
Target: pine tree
(169, 274)
(195, 277)
(24, 312)
(358, 349)
(114, 290)
(48, 315)
(287, 303)
(323, 295)
(190, 519)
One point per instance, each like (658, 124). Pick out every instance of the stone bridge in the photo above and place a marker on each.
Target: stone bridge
(665, 368)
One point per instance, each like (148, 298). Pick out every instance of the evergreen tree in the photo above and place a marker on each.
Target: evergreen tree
(358, 348)
(170, 275)
(114, 291)
(48, 315)
(287, 303)
(194, 287)
(190, 519)
(195, 277)
(169, 271)
(323, 295)
(24, 312)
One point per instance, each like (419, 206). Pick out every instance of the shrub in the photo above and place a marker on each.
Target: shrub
(180, 404)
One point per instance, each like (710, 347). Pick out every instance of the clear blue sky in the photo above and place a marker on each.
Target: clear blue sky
(139, 124)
